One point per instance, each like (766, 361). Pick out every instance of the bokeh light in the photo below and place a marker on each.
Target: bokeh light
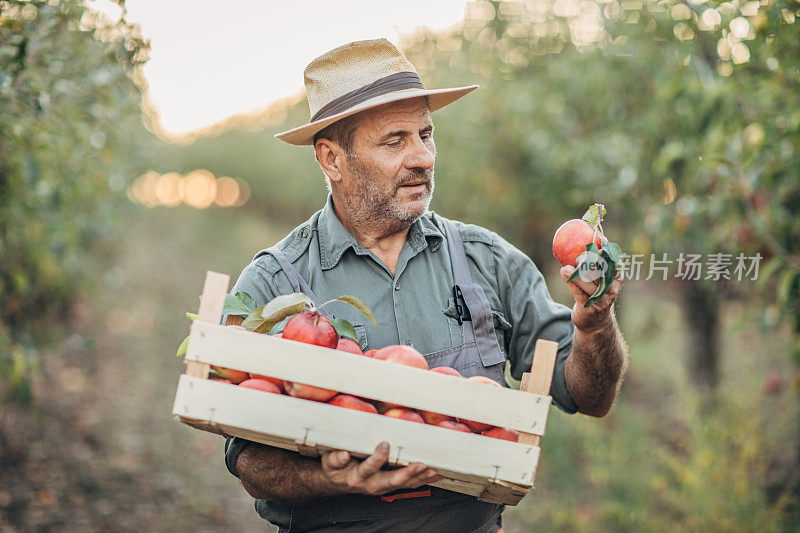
(199, 189)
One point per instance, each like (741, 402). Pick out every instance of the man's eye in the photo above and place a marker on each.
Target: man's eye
(393, 143)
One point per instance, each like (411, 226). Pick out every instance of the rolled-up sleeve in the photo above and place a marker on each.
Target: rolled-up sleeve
(533, 315)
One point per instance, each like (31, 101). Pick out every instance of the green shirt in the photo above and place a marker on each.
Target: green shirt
(415, 305)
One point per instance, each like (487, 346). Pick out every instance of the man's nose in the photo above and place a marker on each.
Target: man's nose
(422, 155)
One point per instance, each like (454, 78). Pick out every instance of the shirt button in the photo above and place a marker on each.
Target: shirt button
(304, 233)
(397, 287)
(408, 343)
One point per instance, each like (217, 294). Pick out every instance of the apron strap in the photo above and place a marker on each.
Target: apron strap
(481, 326)
(295, 279)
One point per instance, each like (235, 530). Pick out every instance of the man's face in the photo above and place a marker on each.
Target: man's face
(387, 179)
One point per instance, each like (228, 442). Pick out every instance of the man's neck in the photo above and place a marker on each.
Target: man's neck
(373, 237)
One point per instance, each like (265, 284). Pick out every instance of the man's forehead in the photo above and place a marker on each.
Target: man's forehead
(386, 117)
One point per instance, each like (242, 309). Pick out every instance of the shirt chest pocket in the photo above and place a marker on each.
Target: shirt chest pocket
(361, 335)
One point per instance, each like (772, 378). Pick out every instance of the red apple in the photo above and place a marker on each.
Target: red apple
(571, 239)
(452, 424)
(447, 371)
(221, 380)
(435, 419)
(260, 384)
(479, 427)
(401, 354)
(311, 328)
(351, 402)
(502, 433)
(308, 392)
(371, 353)
(404, 414)
(484, 379)
(349, 345)
(276, 381)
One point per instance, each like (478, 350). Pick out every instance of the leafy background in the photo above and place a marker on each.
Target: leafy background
(683, 118)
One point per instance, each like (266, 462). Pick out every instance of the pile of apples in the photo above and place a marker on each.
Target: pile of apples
(312, 328)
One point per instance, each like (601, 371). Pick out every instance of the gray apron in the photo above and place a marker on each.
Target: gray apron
(424, 508)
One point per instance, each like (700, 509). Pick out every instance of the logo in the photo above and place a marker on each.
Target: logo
(591, 266)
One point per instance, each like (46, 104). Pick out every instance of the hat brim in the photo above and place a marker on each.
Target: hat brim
(437, 99)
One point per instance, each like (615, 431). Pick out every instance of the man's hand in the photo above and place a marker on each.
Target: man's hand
(599, 357)
(597, 316)
(349, 475)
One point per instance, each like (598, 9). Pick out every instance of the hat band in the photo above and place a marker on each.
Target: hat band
(391, 83)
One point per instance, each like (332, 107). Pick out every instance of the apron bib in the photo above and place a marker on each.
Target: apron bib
(415, 510)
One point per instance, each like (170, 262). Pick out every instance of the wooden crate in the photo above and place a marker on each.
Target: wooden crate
(491, 469)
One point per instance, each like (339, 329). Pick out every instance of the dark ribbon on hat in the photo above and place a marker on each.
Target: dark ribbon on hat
(387, 84)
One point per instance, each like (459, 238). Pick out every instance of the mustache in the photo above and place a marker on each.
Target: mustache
(426, 176)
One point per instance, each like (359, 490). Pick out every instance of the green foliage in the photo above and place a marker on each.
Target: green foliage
(681, 117)
(70, 120)
(345, 329)
(264, 318)
(355, 302)
(240, 304)
(694, 470)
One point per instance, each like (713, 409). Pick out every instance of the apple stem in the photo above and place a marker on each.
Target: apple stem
(326, 303)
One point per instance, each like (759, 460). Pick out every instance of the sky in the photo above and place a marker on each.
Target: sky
(211, 59)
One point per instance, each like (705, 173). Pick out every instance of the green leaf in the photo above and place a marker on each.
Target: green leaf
(345, 329)
(182, 347)
(594, 215)
(613, 251)
(240, 304)
(254, 320)
(247, 300)
(598, 293)
(355, 302)
(611, 269)
(265, 317)
(192, 316)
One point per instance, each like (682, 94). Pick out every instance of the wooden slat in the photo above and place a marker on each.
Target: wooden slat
(497, 491)
(312, 422)
(502, 492)
(211, 303)
(539, 379)
(366, 377)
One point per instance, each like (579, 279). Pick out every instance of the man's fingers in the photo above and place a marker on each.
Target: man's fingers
(403, 477)
(578, 293)
(374, 462)
(408, 477)
(428, 475)
(335, 460)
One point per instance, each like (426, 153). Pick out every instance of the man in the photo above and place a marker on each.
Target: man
(459, 293)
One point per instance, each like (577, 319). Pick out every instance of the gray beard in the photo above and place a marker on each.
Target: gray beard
(378, 210)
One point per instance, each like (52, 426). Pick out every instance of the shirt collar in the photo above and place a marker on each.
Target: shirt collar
(335, 240)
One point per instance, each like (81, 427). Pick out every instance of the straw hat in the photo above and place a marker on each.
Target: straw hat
(359, 76)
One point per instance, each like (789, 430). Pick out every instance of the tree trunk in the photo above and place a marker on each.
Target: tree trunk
(701, 312)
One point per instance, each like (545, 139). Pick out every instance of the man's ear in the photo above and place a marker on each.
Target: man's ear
(330, 157)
